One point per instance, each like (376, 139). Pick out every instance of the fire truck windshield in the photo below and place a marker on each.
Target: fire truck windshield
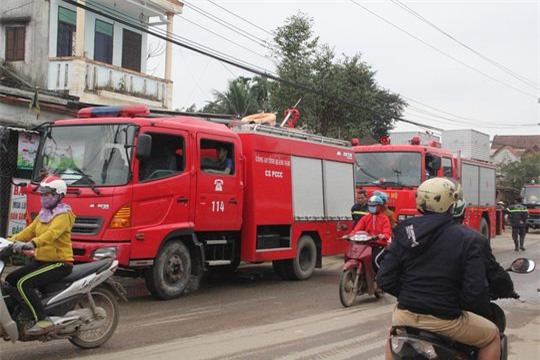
(531, 195)
(391, 169)
(92, 155)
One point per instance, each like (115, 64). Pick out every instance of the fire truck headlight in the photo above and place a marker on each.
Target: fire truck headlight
(106, 252)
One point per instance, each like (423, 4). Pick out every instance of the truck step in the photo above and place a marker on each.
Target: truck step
(218, 262)
(216, 242)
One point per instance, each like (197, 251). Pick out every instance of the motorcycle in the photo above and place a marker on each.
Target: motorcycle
(83, 305)
(358, 277)
(412, 343)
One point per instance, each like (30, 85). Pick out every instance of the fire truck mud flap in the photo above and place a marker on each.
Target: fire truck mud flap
(303, 265)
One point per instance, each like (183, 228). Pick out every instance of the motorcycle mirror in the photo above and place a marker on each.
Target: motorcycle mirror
(523, 266)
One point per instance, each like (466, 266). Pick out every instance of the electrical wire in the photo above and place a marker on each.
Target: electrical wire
(442, 52)
(241, 18)
(131, 21)
(227, 60)
(224, 38)
(517, 76)
(234, 28)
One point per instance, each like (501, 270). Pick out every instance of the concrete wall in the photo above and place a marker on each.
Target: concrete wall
(89, 34)
(34, 68)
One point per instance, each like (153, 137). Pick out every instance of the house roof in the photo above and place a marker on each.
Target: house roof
(516, 141)
(515, 152)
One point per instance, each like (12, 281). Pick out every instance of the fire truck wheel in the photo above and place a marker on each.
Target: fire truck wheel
(169, 276)
(303, 265)
(484, 228)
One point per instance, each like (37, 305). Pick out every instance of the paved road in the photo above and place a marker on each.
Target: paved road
(256, 316)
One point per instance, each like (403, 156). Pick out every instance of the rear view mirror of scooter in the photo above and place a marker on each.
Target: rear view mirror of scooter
(522, 266)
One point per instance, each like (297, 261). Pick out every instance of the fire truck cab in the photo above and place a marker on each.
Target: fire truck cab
(172, 197)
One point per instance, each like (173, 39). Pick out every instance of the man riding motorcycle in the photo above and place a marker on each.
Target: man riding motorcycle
(436, 270)
(50, 236)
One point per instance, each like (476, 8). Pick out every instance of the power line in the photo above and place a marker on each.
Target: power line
(521, 78)
(434, 117)
(224, 38)
(128, 20)
(241, 18)
(442, 52)
(234, 28)
(174, 39)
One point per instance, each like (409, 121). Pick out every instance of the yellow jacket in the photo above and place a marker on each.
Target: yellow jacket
(53, 239)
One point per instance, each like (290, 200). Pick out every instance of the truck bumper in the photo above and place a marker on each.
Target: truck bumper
(84, 251)
(533, 223)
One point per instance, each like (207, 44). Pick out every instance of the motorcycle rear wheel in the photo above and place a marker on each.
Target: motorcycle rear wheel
(90, 339)
(347, 293)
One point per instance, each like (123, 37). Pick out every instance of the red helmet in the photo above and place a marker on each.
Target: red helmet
(52, 184)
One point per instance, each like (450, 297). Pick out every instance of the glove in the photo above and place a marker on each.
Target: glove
(29, 246)
(18, 247)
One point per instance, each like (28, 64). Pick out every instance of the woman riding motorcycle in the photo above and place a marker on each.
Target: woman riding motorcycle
(50, 236)
(376, 224)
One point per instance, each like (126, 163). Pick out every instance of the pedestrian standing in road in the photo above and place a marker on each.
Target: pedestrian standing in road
(360, 209)
(518, 215)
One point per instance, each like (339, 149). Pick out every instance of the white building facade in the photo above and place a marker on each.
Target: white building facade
(98, 58)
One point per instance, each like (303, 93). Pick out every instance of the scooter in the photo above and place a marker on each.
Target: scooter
(411, 343)
(358, 277)
(83, 305)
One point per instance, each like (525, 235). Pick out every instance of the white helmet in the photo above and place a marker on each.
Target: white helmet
(438, 195)
(52, 184)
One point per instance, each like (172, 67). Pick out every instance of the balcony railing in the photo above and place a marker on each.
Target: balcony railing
(78, 75)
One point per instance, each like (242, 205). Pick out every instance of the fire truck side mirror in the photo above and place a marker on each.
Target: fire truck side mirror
(436, 163)
(144, 147)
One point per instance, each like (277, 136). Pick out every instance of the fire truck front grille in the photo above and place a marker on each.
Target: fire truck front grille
(79, 252)
(87, 226)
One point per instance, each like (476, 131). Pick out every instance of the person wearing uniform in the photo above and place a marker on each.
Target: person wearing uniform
(359, 209)
(49, 235)
(436, 270)
(518, 215)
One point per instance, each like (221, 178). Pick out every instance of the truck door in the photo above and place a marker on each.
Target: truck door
(161, 192)
(219, 184)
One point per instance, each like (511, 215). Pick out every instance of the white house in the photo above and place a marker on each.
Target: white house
(58, 46)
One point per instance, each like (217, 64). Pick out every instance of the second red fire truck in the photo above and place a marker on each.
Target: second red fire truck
(399, 169)
(171, 197)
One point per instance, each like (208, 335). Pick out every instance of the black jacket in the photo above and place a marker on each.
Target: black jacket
(518, 215)
(435, 266)
(358, 211)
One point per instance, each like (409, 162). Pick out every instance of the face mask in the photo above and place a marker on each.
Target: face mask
(50, 202)
(372, 209)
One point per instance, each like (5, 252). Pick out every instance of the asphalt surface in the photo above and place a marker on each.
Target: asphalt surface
(255, 315)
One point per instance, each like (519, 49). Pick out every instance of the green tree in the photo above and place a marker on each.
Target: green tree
(348, 103)
(243, 96)
(516, 174)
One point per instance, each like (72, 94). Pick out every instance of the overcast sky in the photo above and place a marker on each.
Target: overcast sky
(505, 32)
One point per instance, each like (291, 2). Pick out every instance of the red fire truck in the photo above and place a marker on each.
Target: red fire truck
(530, 193)
(172, 197)
(399, 169)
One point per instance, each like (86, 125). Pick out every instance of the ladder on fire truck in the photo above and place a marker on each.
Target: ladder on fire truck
(289, 133)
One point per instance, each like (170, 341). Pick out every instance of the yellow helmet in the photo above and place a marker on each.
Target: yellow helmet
(438, 195)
